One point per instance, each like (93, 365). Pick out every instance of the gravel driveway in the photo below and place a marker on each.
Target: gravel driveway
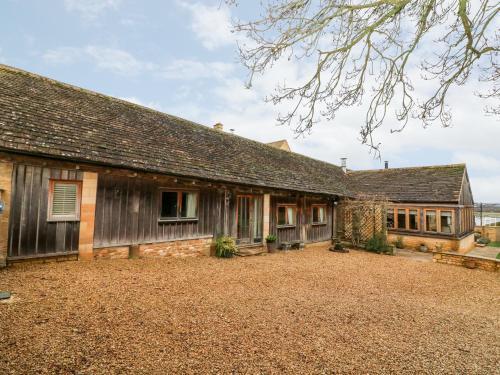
(309, 311)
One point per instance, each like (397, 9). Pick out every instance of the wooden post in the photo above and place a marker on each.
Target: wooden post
(5, 196)
(266, 220)
(87, 216)
(226, 213)
(303, 222)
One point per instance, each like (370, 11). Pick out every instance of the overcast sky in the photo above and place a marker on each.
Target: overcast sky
(179, 57)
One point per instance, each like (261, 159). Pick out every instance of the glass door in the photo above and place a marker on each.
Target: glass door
(249, 215)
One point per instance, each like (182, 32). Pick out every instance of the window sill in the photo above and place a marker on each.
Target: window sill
(317, 224)
(177, 220)
(400, 230)
(286, 226)
(63, 220)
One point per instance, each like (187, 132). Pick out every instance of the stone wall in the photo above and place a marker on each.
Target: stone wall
(5, 189)
(493, 233)
(469, 261)
(180, 248)
(435, 244)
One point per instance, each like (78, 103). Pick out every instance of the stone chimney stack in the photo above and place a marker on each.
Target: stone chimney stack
(219, 127)
(343, 164)
(386, 164)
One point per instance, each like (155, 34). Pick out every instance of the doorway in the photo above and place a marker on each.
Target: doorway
(249, 217)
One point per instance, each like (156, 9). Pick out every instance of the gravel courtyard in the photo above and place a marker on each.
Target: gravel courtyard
(308, 311)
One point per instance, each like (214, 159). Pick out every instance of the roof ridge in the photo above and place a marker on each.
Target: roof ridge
(125, 102)
(408, 168)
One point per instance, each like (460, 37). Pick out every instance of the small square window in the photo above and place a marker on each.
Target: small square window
(286, 215)
(169, 204)
(446, 222)
(430, 221)
(401, 218)
(64, 200)
(413, 219)
(319, 214)
(179, 205)
(390, 218)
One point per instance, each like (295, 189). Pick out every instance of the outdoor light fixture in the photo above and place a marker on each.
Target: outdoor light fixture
(2, 204)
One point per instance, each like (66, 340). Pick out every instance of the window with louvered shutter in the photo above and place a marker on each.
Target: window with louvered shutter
(64, 200)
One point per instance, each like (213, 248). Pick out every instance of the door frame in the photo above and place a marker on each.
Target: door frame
(252, 215)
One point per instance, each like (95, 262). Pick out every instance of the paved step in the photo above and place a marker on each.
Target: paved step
(245, 251)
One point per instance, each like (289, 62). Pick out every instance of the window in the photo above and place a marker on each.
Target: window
(286, 215)
(430, 221)
(446, 222)
(390, 218)
(64, 200)
(413, 219)
(319, 214)
(179, 205)
(401, 218)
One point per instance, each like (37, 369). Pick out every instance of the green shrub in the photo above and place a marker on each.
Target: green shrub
(378, 243)
(399, 243)
(338, 246)
(225, 247)
(483, 240)
(271, 238)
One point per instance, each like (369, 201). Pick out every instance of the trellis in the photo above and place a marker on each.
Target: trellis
(359, 219)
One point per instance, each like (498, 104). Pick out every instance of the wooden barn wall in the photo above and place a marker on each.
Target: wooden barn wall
(127, 212)
(30, 234)
(466, 198)
(304, 230)
(319, 232)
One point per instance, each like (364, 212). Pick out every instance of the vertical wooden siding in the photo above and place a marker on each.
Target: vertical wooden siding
(30, 234)
(127, 212)
(303, 230)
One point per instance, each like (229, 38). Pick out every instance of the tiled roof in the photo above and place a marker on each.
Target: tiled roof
(48, 118)
(419, 184)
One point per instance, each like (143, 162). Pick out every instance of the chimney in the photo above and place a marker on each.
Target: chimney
(343, 164)
(219, 127)
(386, 164)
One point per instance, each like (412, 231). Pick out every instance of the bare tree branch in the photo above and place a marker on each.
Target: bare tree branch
(369, 48)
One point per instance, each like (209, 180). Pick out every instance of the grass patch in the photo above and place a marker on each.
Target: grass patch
(494, 244)
(498, 256)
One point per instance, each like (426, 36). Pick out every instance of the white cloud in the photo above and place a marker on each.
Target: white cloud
(117, 60)
(192, 70)
(152, 105)
(486, 189)
(472, 139)
(211, 24)
(112, 59)
(62, 55)
(90, 9)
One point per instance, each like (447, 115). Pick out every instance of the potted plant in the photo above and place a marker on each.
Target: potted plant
(271, 242)
(225, 247)
(423, 248)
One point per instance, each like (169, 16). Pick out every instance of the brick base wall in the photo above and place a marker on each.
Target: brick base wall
(195, 247)
(435, 244)
(468, 261)
(6, 186)
(180, 248)
(119, 252)
(318, 244)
